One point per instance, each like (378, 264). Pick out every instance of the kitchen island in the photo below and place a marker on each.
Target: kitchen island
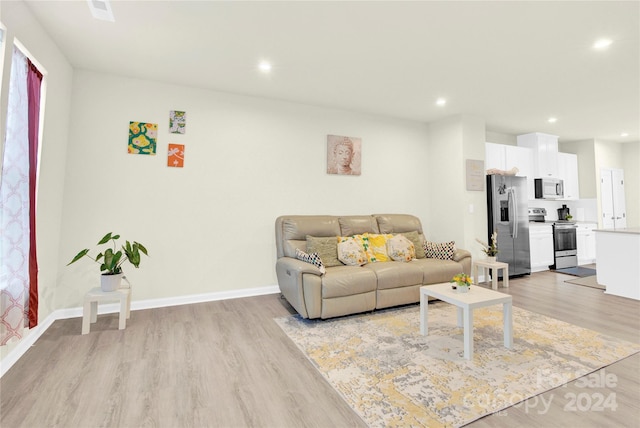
(618, 256)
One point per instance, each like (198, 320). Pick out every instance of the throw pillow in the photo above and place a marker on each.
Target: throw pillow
(326, 247)
(440, 250)
(401, 249)
(418, 243)
(351, 252)
(376, 247)
(312, 258)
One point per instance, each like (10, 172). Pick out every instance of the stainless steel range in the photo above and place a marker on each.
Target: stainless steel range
(565, 244)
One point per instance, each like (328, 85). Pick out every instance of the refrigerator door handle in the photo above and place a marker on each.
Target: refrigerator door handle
(511, 203)
(516, 215)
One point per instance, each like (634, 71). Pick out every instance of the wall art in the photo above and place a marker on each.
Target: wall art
(143, 138)
(175, 155)
(177, 122)
(344, 155)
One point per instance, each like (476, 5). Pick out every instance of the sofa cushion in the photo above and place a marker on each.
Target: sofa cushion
(312, 258)
(436, 271)
(357, 225)
(326, 247)
(396, 274)
(440, 250)
(351, 252)
(418, 243)
(401, 249)
(340, 281)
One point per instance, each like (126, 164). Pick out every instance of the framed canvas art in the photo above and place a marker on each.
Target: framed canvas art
(175, 155)
(344, 155)
(143, 138)
(177, 122)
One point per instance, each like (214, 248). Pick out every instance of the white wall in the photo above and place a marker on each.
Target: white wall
(630, 162)
(21, 25)
(210, 226)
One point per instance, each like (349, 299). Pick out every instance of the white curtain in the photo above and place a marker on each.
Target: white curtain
(14, 208)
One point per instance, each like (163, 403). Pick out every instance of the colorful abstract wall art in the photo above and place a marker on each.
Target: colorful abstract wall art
(143, 138)
(177, 122)
(175, 155)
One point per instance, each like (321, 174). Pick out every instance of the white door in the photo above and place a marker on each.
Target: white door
(612, 198)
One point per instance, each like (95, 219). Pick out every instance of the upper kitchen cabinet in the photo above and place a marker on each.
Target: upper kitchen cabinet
(568, 172)
(505, 157)
(545, 153)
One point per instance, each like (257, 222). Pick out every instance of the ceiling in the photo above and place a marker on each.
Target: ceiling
(513, 63)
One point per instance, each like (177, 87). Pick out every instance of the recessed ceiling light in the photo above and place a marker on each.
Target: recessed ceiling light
(441, 101)
(624, 134)
(101, 9)
(602, 43)
(264, 66)
(552, 120)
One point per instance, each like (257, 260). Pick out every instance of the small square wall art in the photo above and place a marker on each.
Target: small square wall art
(344, 155)
(175, 155)
(143, 138)
(177, 122)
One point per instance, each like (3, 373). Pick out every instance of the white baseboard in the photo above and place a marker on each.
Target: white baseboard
(34, 334)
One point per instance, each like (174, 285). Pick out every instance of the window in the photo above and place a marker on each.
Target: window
(18, 262)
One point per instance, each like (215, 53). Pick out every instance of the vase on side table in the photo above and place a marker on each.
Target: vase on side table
(491, 259)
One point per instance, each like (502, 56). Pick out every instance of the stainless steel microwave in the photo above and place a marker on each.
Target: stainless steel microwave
(549, 188)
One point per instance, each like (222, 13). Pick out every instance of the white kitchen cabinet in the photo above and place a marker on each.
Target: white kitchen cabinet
(568, 172)
(545, 153)
(586, 243)
(494, 156)
(540, 246)
(521, 158)
(505, 157)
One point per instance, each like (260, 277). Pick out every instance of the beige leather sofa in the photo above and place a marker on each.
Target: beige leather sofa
(344, 290)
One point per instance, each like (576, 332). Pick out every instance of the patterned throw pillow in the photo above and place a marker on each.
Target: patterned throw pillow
(312, 258)
(440, 250)
(373, 244)
(401, 249)
(351, 253)
(326, 247)
(414, 237)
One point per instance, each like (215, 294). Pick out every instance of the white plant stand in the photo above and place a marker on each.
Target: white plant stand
(95, 296)
(495, 267)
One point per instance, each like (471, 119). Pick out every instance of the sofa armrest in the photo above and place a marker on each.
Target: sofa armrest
(460, 254)
(296, 267)
(290, 273)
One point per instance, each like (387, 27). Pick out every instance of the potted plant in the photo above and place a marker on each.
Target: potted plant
(490, 250)
(111, 260)
(462, 283)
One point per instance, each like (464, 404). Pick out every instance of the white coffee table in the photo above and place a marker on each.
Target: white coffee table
(477, 297)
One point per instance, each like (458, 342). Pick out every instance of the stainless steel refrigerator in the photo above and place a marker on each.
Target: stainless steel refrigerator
(507, 213)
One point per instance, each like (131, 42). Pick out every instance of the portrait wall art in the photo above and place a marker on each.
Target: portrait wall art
(143, 138)
(344, 155)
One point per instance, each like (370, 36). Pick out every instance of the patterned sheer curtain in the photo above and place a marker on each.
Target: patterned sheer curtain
(18, 265)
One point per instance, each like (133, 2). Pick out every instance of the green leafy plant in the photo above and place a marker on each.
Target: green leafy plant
(111, 259)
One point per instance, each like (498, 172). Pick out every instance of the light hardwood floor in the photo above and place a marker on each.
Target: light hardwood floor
(227, 364)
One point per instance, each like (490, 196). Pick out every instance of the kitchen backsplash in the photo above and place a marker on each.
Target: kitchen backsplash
(581, 210)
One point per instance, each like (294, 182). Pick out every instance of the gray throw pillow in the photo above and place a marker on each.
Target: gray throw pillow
(417, 242)
(327, 249)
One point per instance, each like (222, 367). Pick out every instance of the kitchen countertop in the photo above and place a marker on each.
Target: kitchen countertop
(631, 230)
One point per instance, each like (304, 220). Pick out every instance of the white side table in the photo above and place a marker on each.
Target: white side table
(495, 268)
(95, 296)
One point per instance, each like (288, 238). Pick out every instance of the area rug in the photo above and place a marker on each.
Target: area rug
(587, 281)
(577, 271)
(392, 376)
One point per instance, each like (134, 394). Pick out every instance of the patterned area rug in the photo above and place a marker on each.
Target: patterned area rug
(393, 376)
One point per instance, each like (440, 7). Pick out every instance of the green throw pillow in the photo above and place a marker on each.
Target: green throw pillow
(417, 242)
(327, 249)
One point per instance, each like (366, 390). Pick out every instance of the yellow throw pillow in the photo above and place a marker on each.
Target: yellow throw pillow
(376, 249)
